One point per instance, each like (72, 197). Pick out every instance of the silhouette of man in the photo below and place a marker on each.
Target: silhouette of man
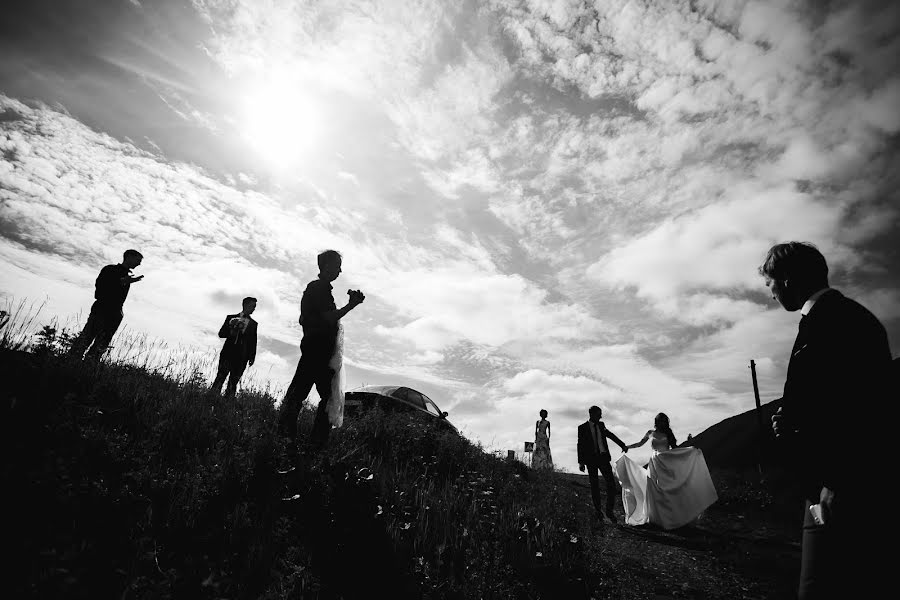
(840, 355)
(110, 291)
(593, 452)
(319, 318)
(239, 349)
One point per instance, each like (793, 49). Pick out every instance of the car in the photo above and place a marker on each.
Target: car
(393, 397)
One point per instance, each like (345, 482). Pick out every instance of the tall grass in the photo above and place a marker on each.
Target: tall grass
(133, 482)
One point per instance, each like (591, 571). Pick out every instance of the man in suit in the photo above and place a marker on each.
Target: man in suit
(840, 358)
(593, 452)
(239, 350)
(110, 291)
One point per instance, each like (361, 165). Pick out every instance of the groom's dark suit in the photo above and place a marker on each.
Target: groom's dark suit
(836, 381)
(593, 452)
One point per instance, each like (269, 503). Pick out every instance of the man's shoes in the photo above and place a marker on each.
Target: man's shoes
(611, 516)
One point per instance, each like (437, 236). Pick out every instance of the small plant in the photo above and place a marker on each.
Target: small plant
(50, 341)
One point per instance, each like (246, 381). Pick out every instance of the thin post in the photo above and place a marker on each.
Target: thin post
(759, 418)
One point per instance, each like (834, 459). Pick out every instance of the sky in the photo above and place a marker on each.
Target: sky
(548, 204)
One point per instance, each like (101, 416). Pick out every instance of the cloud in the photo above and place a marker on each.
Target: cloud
(718, 247)
(544, 201)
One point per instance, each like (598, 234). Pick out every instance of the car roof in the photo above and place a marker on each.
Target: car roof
(384, 390)
(390, 391)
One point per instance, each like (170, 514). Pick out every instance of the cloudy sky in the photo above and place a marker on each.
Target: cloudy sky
(548, 203)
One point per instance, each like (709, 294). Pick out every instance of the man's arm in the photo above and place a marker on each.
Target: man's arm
(580, 446)
(333, 316)
(252, 342)
(223, 330)
(613, 437)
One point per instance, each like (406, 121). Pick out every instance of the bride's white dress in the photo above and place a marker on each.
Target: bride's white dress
(673, 491)
(336, 401)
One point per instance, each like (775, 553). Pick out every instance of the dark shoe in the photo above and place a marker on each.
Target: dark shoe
(611, 516)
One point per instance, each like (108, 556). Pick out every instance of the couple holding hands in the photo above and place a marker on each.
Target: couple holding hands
(671, 492)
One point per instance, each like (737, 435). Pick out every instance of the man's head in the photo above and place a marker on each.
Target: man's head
(249, 304)
(543, 413)
(329, 265)
(794, 271)
(132, 258)
(595, 413)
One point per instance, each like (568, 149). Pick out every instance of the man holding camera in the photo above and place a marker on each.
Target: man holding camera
(111, 289)
(239, 349)
(319, 318)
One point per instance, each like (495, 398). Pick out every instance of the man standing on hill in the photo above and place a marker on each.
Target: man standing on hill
(840, 359)
(593, 452)
(319, 318)
(111, 289)
(239, 349)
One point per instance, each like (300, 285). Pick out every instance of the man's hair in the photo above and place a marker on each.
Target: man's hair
(248, 300)
(132, 252)
(594, 409)
(543, 413)
(327, 257)
(799, 261)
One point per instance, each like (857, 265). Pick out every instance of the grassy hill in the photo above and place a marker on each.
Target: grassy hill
(741, 441)
(129, 482)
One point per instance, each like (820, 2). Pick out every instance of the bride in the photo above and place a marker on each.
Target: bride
(673, 490)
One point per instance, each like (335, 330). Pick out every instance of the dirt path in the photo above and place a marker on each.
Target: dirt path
(729, 554)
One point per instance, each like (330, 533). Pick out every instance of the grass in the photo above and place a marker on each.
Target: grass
(132, 482)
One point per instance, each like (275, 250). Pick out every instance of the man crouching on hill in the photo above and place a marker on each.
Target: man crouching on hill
(319, 318)
(110, 291)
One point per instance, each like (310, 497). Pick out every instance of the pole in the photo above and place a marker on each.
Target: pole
(759, 419)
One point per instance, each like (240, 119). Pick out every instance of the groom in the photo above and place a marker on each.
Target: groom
(593, 451)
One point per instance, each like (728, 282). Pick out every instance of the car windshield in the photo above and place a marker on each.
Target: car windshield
(415, 398)
(431, 406)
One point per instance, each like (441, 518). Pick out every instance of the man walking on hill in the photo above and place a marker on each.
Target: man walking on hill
(239, 349)
(840, 359)
(110, 291)
(593, 452)
(319, 318)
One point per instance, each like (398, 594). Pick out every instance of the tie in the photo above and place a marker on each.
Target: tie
(801, 335)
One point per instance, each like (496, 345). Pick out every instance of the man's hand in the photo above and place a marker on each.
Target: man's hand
(624, 449)
(132, 279)
(581, 467)
(356, 297)
(826, 498)
(778, 424)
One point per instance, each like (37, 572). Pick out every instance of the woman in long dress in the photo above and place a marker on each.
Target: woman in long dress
(542, 458)
(674, 489)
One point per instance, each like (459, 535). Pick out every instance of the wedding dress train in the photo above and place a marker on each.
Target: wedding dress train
(673, 491)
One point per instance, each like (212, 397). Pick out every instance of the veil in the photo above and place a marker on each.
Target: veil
(336, 402)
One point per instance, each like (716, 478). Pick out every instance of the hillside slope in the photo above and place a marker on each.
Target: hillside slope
(739, 442)
(131, 484)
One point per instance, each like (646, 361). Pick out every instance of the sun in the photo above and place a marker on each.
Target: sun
(280, 122)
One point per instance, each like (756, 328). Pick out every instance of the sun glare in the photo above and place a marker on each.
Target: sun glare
(281, 123)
